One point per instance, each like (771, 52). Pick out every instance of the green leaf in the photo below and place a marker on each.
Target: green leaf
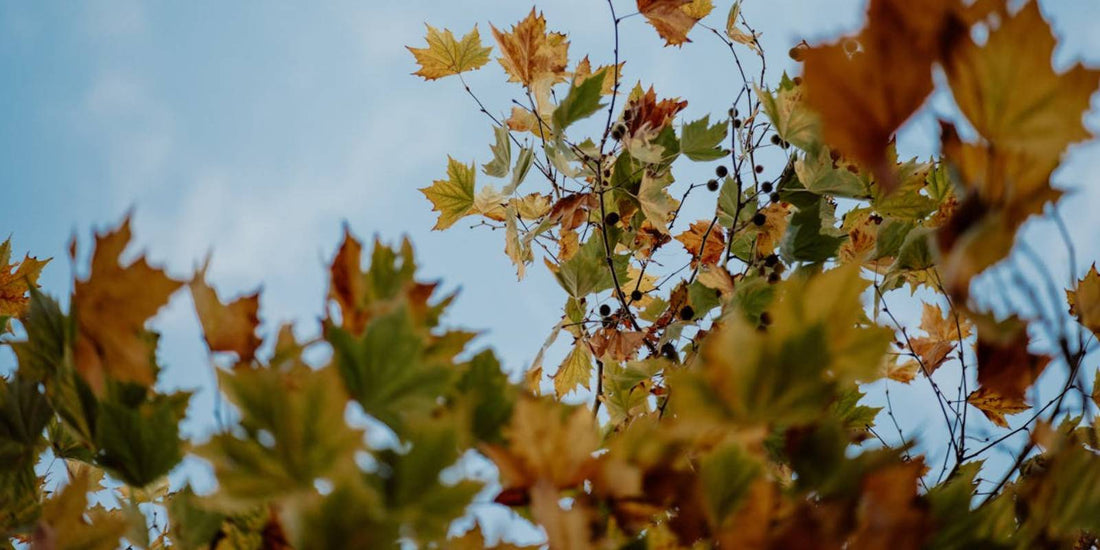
(484, 389)
(726, 475)
(906, 202)
(293, 433)
(891, 235)
(820, 174)
(702, 142)
(913, 253)
(386, 369)
(807, 238)
(502, 154)
(582, 101)
(140, 445)
(193, 525)
(793, 121)
(453, 197)
(519, 172)
(24, 412)
(587, 271)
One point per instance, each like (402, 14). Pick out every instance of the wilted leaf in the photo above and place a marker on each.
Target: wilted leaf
(674, 18)
(705, 242)
(529, 53)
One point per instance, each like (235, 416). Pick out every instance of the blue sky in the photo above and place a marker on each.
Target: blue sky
(256, 130)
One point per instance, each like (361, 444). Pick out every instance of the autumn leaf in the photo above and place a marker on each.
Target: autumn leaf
(905, 372)
(1006, 369)
(865, 87)
(111, 307)
(529, 53)
(64, 525)
(891, 514)
(226, 327)
(645, 116)
(15, 285)
(705, 242)
(453, 197)
(673, 19)
(657, 204)
(1084, 302)
(445, 56)
(583, 70)
(943, 335)
(575, 370)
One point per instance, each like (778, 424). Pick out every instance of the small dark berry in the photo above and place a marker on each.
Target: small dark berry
(776, 140)
(759, 169)
(759, 219)
(611, 219)
(773, 278)
(636, 295)
(786, 144)
(774, 197)
(668, 350)
(721, 171)
(605, 310)
(733, 112)
(771, 260)
(736, 123)
(766, 187)
(765, 318)
(712, 185)
(686, 313)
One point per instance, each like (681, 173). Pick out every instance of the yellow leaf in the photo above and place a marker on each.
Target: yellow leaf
(575, 370)
(531, 207)
(904, 373)
(15, 285)
(226, 327)
(530, 54)
(111, 307)
(62, 524)
(584, 70)
(445, 56)
(996, 406)
(453, 197)
(733, 32)
(776, 220)
(517, 250)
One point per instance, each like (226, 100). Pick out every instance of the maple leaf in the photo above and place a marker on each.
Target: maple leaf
(904, 373)
(445, 56)
(530, 54)
(656, 203)
(15, 285)
(63, 524)
(111, 307)
(864, 88)
(226, 327)
(776, 220)
(453, 197)
(616, 345)
(708, 252)
(943, 334)
(645, 117)
(611, 74)
(575, 370)
(673, 19)
(1084, 302)
(890, 513)
(546, 441)
(793, 121)
(1006, 369)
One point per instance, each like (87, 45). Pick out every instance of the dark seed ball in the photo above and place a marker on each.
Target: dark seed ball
(771, 260)
(736, 123)
(721, 171)
(687, 313)
(636, 295)
(765, 318)
(776, 140)
(605, 310)
(773, 278)
(668, 350)
(611, 219)
(766, 187)
(774, 197)
(759, 218)
(759, 169)
(712, 185)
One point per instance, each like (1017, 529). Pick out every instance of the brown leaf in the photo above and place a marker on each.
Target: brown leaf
(1005, 366)
(529, 53)
(346, 284)
(867, 86)
(705, 242)
(616, 345)
(1084, 302)
(890, 515)
(572, 210)
(672, 18)
(111, 307)
(645, 117)
(226, 327)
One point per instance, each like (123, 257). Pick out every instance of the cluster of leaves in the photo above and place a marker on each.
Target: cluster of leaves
(727, 378)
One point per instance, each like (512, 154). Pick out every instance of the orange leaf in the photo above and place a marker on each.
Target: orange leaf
(708, 252)
(111, 307)
(15, 285)
(226, 327)
(645, 116)
(865, 87)
(346, 284)
(529, 53)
